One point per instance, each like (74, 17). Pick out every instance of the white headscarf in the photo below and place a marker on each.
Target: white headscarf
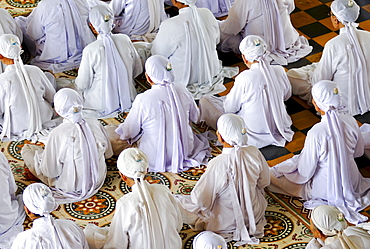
(254, 48)
(159, 69)
(10, 48)
(347, 12)
(331, 222)
(68, 104)
(38, 199)
(133, 163)
(116, 95)
(232, 129)
(209, 240)
(204, 71)
(340, 190)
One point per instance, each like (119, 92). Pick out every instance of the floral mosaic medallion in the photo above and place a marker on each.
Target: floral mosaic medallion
(277, 228)
(96, 207)
(296, 246)
(184, 188)
(23, 3)
(152, 178)
(15, 147)
(17, 168)
(193, 173)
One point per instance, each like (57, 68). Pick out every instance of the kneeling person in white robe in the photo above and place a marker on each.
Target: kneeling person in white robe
(108, 68)
(73, 162)
(148, 217)
(160, 118)
(26, 94)
(46, 232)
(344, 60)
(229, 197)
(12, 214)
(331, 231)
(257, 96)
(325, 172)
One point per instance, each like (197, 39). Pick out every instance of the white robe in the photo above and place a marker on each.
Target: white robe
(357, 235)
(218, 8)
(212, 197)
(245, 18)
(250, 98)
(13, 106)
(11, 212)
(305, 174)
(39, 233)
(133, 17)
(89, 79)
(171, 42)
(54, 37)
(126, 229)
(57, 165)
(144, 119)
(8, 26)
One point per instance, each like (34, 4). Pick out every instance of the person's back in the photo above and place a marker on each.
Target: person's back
(128, 227)
(13, 104)
(219, 8)
(61, 24)
(178, 41)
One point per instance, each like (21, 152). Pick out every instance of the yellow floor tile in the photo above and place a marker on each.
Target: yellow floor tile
(314, 57)
(323, 39)
(366, 7)
(307, 4)
(301, 102)
(297, 143)
(327, 23)
(301, 18)
(304, 119)
(365, 25)
(280, 159)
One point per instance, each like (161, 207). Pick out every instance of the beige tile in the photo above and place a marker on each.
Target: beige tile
(307, 4)
(304, 119)
(301, 18)
(323, 39)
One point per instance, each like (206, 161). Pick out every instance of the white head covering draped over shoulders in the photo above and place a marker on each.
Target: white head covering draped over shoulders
(10, 47)
(38, 199)
(330, 221)
(254, 48)
(347, 12)
(209, 240)
(232, 129)
(116, 95)
(133, 163)
(68, 104)
(159, 70)
(340, 189)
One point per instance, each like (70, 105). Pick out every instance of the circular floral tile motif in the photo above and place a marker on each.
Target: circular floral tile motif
(193, 173)
(112, 163)
(189, 243)
(152, 178)
(15, 147)
(96, 207)
(296, 246)
(23, 3)
(184, 188)
(278, 227)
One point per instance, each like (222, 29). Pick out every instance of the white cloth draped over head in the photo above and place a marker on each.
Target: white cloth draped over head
(232, 129)
(133, 163)
(341, 193)
(347, 12)
(254, 48)
(159, 71)
(204, 71)
(209, 240)
(10, 48)
(38, 199)
(330, 221)
(116, 95)
(68, 104)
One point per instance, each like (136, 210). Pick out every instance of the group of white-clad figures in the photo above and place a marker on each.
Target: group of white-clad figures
(228, 201)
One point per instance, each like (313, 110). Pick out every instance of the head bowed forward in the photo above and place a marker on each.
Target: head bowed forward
(133, 163)
(232, 129)
(38, 198)
(68, 104)
(159, 69)
(253, 47)
(328, 219)
(346, 11)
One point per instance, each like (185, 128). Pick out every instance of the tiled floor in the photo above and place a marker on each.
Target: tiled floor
(287, 218)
